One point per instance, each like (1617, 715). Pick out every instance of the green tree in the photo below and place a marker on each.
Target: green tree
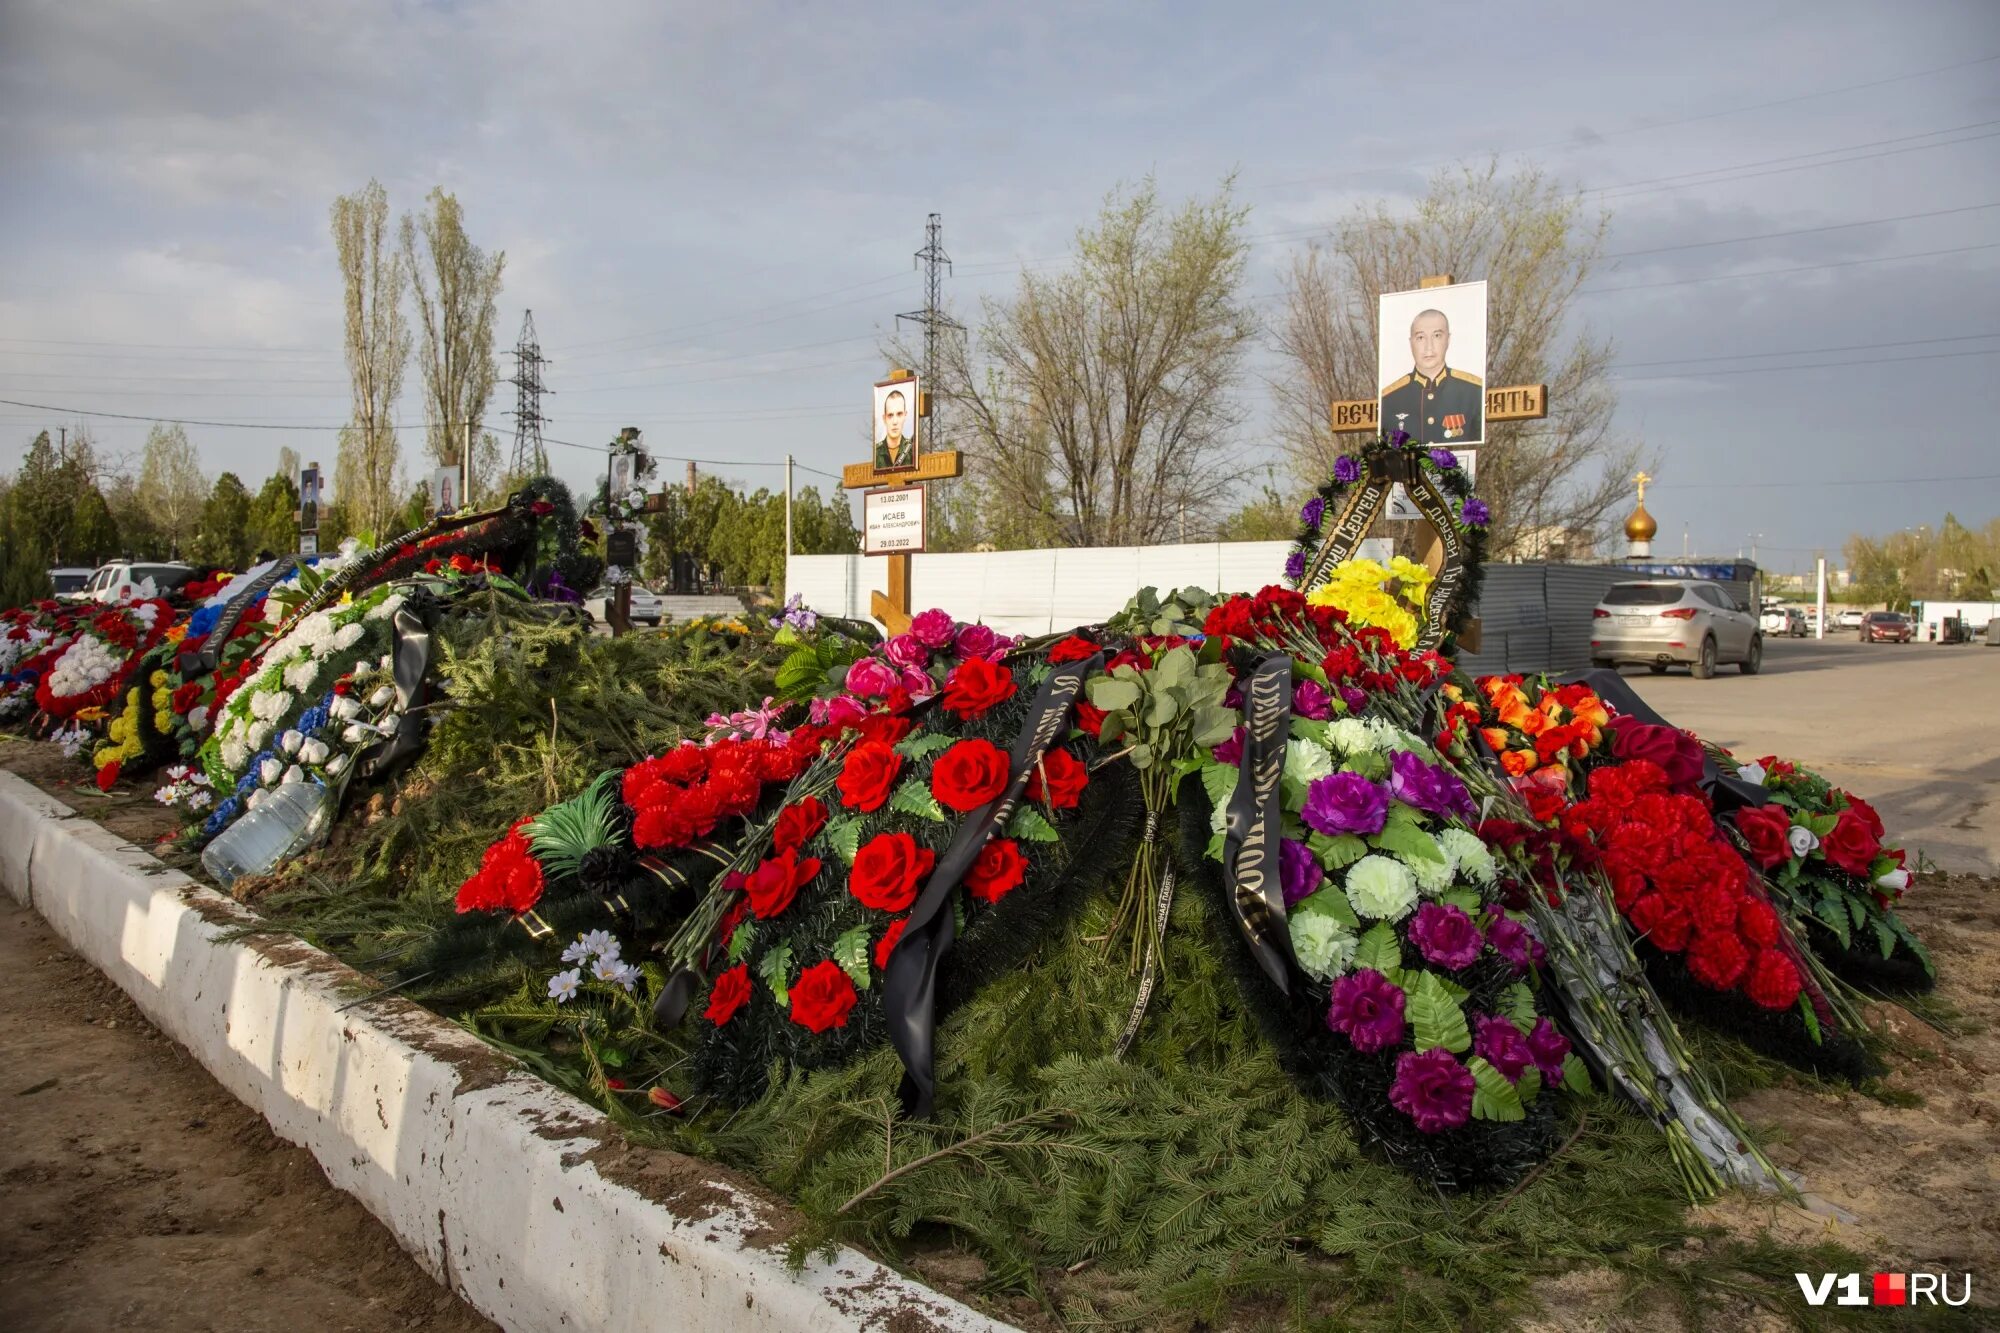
(171, 487)
(224, 539)
(1269, 517)
(138, 536)
(417, 509)
(455, 284)
(274, 524)
(93, 535)
(377, 342)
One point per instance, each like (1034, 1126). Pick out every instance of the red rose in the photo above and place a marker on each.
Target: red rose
(1773, 981)
(1717, 958)
(822, 997)
(1089, 717)
(1677, 753)
(887, 944)
(887, 870)
(774, 884)
(798, 822)
(186, 697)
(866, 777)
(1866, 813)
(976, 686)
(997, 870)
(1765, 828)
(969, 774)
(1058, 780)
(730, 993)
(108, 774)
(1076, 648)
(884, 727)
(1850, 846)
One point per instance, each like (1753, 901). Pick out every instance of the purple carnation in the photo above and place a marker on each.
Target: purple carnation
(977, 641)
(1511, 940)
(1295, 566)
(1475, 512)
(1433, 1089)
(1500, 1044)
(1234, 699)
(1310, 700)
(1446, 936)
(1547, 1048)
(1399, 437)
(1444, 459)
(1345, 803)
(934, 628)
(906, 650)
(1230, 751)
(1427, 787)
(1314, 511)
(1354, 697)
(1368, 1009)
(1298, 870)
(1346, 470)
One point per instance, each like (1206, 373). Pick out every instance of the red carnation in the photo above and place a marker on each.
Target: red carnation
(887, 870)
(797, 823)
(868, 774)
(1058, 780)
(969, 774)
(772, 885)
(887, 944)
(1850, 846)
(884, 727)
(1766, 828)
(186, 697)
(822, 997)
(1773, 981)
(1717, 958)
(1677, 753)
(1076, 648)
(997, 870)
(975, 686)
(1757, 922)
(730, 993)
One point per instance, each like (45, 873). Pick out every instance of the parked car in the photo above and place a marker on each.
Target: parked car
(1783, 620)
(123, 580)
(1887, 627)
(1993, 632)
(1850, 618)
(647, 608)
(70, 581)
(1668, 622)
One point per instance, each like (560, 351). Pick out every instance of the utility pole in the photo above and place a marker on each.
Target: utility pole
(465, 469)
(787, 576)
(935, 263)
(530, 457)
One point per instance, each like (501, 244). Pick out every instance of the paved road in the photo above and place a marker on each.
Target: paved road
(1915, 728)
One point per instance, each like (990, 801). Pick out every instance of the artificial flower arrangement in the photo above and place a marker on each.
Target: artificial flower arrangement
(33, 638)
(1822, 853)
(91, 670)
(1413, 1001)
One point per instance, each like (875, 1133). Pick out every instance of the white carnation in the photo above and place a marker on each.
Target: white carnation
(1350, 736)
(1323, 946)
(1305, 761)
(235, 754)
(1381, 887)
(301, 674)
(1433, 877)
(348, 636)
(1469, 855)
(387, 607)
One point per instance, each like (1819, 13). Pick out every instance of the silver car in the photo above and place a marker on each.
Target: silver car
(1669, 622)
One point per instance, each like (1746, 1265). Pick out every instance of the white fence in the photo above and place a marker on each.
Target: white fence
(1036, 592)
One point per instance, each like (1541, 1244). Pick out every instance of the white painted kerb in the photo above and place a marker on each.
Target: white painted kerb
(486, 1187)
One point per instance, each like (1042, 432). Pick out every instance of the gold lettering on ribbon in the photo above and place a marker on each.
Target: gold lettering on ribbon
(1253, 855)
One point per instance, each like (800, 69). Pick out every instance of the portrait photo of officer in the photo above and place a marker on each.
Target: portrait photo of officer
(896, 425)
(1432, 364)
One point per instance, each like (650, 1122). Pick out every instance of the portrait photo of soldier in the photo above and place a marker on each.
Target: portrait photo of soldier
(896, 425)
(1432, 365)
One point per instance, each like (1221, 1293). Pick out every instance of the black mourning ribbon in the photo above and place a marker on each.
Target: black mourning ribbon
(414, 621)
(909, 983)
(1255, 819)
(204, 660)
(1729, 793)
(1385, 471)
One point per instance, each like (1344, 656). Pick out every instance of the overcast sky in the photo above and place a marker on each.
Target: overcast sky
(711, 208)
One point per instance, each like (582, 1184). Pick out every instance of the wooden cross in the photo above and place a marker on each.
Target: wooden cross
(893, 610)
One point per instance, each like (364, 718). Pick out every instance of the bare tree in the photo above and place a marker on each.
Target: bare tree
(172, 489)
(455, 283)
(378, 345)
(1094, 406)
(1533, 244)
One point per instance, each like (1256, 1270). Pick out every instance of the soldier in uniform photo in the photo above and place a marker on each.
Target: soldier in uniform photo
(895, 448)
(1434, 403)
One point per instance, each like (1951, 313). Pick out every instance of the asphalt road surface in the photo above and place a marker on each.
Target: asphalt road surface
(1914, 728)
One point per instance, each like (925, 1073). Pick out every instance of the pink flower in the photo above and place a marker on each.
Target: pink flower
(1446, 936)
(872, 678)
(1368, 1008)
(1501, 1045)
(840, 711)
(917, 682)
(933, 629)
(1548, 1047)
(906, 650)
(978, 641)
(1433, 1089)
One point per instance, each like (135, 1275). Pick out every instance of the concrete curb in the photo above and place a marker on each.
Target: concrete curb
(517, 1196)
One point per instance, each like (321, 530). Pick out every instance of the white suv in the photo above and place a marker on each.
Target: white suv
(1664, 622)
(126, 580)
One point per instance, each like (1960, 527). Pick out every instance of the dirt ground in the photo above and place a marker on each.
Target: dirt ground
(136, 1193)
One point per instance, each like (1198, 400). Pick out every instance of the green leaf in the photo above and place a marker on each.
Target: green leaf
(1215, 847)
(1529, 1085)
(802, 669)
(923, 745)
(1885, 937)
(1465, 900)
(740, 941)
(774, 967)
(844, 836)
(1369, 765)
(851, 952)
(1832, 913)
(1518, 1003)
(1435, 1017)
(1338, 852)
(1856, 911)
(1212, 726)
(1408, 841)
(1779, 798)
(1576, 1076)
(1219, 781)
(1379, 948)
(1328, 901)
(1029, 825)
(1112, 693)
(1494, 1098)
(914, 798)
(1310, 729)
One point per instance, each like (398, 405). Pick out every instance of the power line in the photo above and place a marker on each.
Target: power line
(1816, 365)
(530, 457)
(1803, 231)
(1805, 351)
(1778, 272)
(1742, 171)
(1802, 483)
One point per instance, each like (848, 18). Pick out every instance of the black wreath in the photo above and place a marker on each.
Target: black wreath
(1386, 455)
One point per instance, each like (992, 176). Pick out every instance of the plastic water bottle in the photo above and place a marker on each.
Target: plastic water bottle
(286, 821)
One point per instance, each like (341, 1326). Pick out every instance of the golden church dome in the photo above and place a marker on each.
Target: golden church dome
(1641, 527)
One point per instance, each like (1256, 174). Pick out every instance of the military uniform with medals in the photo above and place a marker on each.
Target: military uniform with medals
(1450, 409)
